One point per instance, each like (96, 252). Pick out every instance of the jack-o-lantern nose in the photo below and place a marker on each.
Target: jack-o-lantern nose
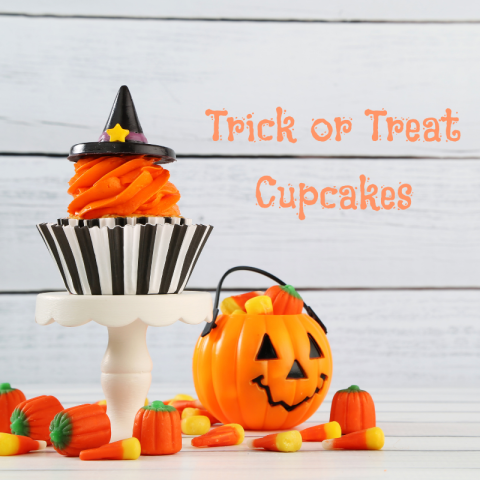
(296, 372)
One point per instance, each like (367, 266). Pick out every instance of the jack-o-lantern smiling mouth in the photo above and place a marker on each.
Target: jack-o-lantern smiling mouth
(286, 406)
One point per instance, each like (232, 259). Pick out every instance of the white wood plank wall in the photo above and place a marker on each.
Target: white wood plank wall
(379, 339)
(59, 78)
(61, 64)
(433, 243)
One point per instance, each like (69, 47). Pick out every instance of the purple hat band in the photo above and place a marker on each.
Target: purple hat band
(131, 137)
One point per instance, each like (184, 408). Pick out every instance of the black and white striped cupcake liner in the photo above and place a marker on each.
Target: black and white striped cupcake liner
(125, 256)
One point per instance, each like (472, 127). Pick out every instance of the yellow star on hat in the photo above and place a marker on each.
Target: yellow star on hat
(117, 133)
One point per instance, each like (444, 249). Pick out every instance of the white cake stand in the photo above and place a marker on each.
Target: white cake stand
(126, 366)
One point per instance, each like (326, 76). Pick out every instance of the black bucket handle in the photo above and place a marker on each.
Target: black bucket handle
(209, 326)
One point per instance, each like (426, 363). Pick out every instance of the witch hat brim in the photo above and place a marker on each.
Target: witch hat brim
(122, 135)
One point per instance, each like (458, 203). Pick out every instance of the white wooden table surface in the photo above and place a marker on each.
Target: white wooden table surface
(430, 434)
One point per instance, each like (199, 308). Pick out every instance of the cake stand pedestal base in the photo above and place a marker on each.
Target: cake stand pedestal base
(126, 375)
(126, 366)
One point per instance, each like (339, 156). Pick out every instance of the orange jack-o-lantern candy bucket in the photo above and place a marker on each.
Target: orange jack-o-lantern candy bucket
(264, 372)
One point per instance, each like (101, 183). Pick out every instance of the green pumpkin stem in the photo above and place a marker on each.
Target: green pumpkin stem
(291, 291)
(61, 430)
(351, 389)
(19, 423)
(159, 406)
(5, 388)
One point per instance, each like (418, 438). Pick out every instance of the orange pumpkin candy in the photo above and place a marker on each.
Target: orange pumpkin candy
(237, 302)
(285, 299)
(32, 417)
(264, 372)
(9, 399)
(80, 428)
(157, 427)
(353, 409)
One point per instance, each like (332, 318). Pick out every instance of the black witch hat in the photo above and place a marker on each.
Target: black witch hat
(122, 135)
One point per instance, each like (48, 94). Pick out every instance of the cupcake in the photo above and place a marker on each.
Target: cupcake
(124, 234)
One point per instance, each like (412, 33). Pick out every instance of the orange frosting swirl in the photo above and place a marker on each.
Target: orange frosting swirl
(121, 186)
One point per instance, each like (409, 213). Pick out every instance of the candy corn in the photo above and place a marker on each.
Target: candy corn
(261, 305)
(279, 442)
(190, 412)
(369, 439)
(231, 434)
(122, 450)
(238, 312)
(17, 444)
(102, 403)
(182, 396)
(318, 433)
(196, 425)
(180, 405)
(237, 302)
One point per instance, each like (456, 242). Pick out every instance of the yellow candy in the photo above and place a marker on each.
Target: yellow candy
(333, 430)
(240, 431)
(238, 312)
(237, 302)
(181, 396)
(375, 438)
(369, 439)
(279, 442)
(190, 412)
(228, 306)
(261, 305)
(146, 402)
(195, 425)
(17, 444)
(289, 441)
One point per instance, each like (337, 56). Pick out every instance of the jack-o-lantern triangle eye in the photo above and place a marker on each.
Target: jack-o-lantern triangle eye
(267, 351)
(315, 351)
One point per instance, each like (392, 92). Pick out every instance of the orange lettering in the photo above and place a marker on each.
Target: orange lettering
(371, 191)
(258, 194)
(261, 124)
(409, 130)
(325, 137)
(281, 131)
(216, 121)
(238, 125)
(306, 201)
(396, 125)
(387, 201)
(408, 200)
(455, 135)
(347, 127)
(291, 203)
(251, 135)
(345, 191)
(431, 122)
(323, 194)
(376, 114)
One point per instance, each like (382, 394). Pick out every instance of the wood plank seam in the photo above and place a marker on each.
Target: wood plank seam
(300, 289)
(192, 156)
(235, 20)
